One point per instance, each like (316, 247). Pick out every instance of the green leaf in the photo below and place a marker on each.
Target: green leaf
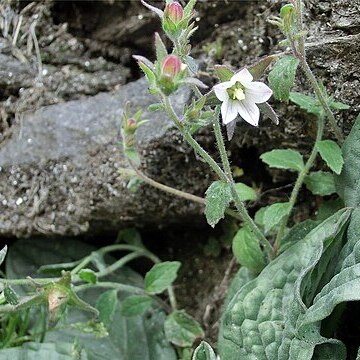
(161, 276)
(136, 305)
(107, 304)
(11, 296)
(307, 103)
(259, 216)
(88, 276)
(297, 233)
(204, 352)
(331, 153)
(181, 329)
(260, 320)
(189, 8)
(339, 105)
(274, 214)
(133, 155)
(245, 192)
(223, 73)
(328, 208)
(161, 51)
(3, 252)
(320, 183)
(41, 351)
(257, 70)
(247, 250)
(217, 199)
(282, 77)
(284, 159)
(347, 183)
(131, 236)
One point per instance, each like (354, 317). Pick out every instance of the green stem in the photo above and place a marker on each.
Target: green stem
(229, 179)
(300, 54)
(309, 74)
(299, 182)
(112, 285)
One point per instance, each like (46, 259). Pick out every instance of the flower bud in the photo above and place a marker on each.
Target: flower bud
(175, 12)
(171, 66)
(131, 122)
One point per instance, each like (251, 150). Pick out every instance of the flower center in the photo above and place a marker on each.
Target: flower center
(236, 92)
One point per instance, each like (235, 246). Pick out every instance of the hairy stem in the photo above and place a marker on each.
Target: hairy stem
(299, 182)
(229, 179)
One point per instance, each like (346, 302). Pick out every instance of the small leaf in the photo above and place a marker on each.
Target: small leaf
(133, 155)
(161, 276)
(154, 9)
(274, 214)
(247, 250)
(282, 77)
(223, 73)
(192, 64)
(189, 8)
(320, 183)
(88, 276)
(257, 70)
(11, 296)
(284, 159)
(331, 153)
(268, 111)
(218, 197)
(160, 47)
(307, 103)
(204, 352)
(144, 60)
(339, 105)
(3, 252)
(107, 304)
(135, 305)
(131, 236)
(181, 329)
(245, 192)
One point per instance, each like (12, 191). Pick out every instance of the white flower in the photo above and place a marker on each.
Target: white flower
(240, 96)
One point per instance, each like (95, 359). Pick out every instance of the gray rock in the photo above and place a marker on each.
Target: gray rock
(59, 171)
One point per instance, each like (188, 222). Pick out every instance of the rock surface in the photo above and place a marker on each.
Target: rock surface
(59, 163)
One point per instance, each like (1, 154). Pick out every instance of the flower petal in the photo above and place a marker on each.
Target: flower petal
(243, 76)
(249, 112)
(221, 92)
(229, 111)
(257, 92)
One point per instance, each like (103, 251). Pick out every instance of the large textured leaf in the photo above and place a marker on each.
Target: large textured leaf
(260, 321)
(135, 338)
(348, 182)
(44, 351)
(345, 285)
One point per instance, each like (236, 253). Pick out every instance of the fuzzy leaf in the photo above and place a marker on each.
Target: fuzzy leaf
(181, 329)
(247, 250)
(282, 77)
(283, 159)
(223, 72)
(154, 9)
(107, 304)
(307, 103)
(259, 322)
(320, 183)
(218, 197)
(204, 352)
(160, 47)
(257, 70)
(268, 111)
(274, 214)
(188, 9)
(88, 276)
(161, 276)
(191, 63)
(348, 182)
(245, 192)
(136, 305)
(339, 105)
(331, 153)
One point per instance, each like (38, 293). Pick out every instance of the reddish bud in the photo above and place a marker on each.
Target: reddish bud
(171, 66)
(131, 122)
(175, 12)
